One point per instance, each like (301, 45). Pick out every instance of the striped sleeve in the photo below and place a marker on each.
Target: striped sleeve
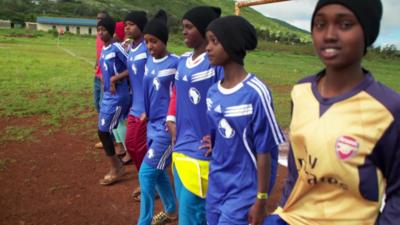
(266, 132)
(121, 53)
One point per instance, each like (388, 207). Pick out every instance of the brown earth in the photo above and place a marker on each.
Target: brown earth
(53, 179)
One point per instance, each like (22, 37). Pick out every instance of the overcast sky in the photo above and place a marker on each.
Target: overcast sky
(298, 13)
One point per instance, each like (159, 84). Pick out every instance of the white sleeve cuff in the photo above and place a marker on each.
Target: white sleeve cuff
(171, 118)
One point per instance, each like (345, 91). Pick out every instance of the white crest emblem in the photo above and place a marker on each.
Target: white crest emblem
(151, 153)
(185, 78)
(103, 121)
(105, 66)
(134, 69)
(156, 84)
(225, 129)
(194, 95)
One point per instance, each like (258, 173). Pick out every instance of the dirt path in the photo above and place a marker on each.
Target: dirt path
(54, 180)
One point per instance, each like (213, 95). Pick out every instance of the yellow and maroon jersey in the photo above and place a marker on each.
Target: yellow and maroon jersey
(345, 156)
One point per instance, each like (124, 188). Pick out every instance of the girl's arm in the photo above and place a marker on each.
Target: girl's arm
(258, 210)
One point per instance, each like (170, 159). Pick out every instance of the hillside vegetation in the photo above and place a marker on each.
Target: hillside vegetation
(22, 10)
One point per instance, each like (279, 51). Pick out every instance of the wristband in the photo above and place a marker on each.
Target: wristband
(262, 195)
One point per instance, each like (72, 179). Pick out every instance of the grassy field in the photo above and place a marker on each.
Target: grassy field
(50, 81)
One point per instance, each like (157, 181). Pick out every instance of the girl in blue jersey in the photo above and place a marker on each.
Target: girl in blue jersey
(244, 132)
(194, 77)
(159, 76)
(115, 102)
(344, 133)
(135, 140)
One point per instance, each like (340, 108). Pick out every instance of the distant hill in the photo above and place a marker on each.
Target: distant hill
(26, 10)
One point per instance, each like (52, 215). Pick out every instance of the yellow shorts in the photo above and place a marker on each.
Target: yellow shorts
(192, 172)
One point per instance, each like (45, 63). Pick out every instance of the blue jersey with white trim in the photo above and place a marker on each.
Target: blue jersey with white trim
(136, 62)
(112, 62)
(242, 125)
(157, 86)
(192, 81)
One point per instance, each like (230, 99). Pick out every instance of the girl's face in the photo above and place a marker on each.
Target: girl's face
(155, 46)
(216, 52)
(191, 35)
(132, 30)
(338, 37)
(103, 33)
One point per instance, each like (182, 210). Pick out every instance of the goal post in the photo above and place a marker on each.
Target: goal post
(246, 3)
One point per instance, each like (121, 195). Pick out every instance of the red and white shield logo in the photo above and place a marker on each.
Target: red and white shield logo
(346, 147)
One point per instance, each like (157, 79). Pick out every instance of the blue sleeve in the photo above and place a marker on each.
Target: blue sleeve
(211, 125)
(146, 95)
(120, 53)
(267, 134)
(387, 157)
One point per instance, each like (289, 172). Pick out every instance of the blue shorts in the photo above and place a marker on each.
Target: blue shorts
(112, 110)
(159, 153)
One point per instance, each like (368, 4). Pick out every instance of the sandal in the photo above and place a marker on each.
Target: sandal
(111, 178)
(163, 218)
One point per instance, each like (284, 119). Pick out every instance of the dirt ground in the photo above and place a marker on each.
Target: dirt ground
(54, 180)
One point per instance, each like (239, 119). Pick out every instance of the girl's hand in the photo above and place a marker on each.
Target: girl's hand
(143, 117)
(113, 88)
(257, 212)
(171, 128)
(206, 144)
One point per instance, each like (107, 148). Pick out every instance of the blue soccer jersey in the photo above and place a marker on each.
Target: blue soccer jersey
(136, 62)
(243, 124)
(157, 86)
(192, 81)
(113, 106)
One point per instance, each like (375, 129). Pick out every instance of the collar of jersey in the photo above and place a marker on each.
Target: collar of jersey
(160, 60)
(229, 91)
(190, 63)
(109, 46)
(137, 47)
(329, 101)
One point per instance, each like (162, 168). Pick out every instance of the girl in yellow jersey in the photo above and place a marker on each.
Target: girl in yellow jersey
(345, 129)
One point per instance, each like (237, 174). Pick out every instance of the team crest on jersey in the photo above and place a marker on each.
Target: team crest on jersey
(185, 78)
(194, 95)
(346, 147)
(146, 71)
(134, 69)
(150, 153)
(225, 129)
(105, 66)
(156, 84)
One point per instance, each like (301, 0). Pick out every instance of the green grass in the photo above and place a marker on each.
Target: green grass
(39, 79)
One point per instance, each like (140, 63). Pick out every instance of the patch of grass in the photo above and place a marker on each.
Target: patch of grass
(5, 163)
(16, 133)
